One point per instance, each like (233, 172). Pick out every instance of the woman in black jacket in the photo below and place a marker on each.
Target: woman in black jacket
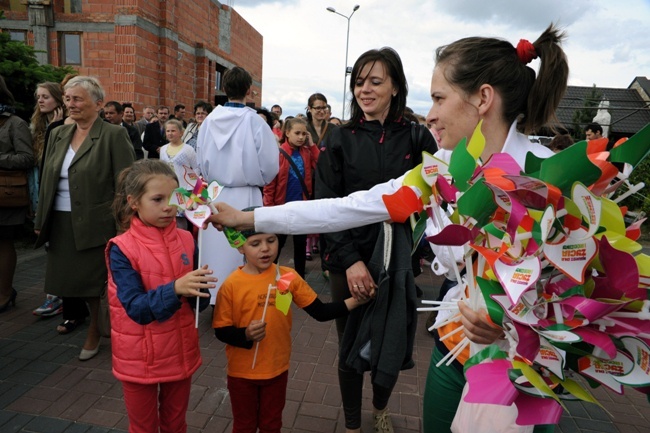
(376, 145)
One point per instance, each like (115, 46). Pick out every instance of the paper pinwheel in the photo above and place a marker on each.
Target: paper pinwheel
(283, 298)
(549, 257)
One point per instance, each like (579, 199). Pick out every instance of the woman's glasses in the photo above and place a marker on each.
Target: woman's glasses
(323, 108)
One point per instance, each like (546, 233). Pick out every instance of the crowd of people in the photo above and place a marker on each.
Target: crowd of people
(101, 183)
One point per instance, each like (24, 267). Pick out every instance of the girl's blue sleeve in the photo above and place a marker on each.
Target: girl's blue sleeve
(141, 306)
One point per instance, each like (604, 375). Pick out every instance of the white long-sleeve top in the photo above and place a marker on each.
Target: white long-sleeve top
(367, 207)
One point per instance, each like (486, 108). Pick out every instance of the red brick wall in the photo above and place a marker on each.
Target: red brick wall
(137, 66)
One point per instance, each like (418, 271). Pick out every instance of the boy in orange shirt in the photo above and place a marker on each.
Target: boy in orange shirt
(258, 393)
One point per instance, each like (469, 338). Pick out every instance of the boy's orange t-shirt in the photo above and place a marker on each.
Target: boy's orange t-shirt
(241, 300)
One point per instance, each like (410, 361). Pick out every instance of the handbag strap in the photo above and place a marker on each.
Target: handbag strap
(295, 169)
(388, 243)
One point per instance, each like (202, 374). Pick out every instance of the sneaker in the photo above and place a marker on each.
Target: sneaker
(52, 306)
(383, 424)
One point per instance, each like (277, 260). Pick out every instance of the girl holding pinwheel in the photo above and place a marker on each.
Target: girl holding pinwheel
(523, 208)
(155, 345)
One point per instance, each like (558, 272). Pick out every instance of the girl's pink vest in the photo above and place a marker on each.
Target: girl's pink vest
(160, 351)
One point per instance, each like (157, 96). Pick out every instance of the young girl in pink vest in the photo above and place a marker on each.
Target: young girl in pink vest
(151, 288)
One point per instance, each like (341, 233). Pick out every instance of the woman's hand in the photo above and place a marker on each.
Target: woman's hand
(228, 216)
(360, 283)
(191, 283)
(256, 330)
(57, 114)
(477, 326)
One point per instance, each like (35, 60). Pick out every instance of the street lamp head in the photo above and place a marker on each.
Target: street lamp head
(356, 8)
(331, 9)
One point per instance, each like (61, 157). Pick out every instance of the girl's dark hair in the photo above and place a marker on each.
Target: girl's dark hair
(310, 103)
(132, 181)
(393, 66)
(289, 124)
(471, 62)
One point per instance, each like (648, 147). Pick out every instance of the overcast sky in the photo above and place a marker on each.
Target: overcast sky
(608, 42)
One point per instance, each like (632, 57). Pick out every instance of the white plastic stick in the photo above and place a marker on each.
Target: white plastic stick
(450, 302)
(441, 225)
(196, 312)
(452, 352)
(439, 308)
(257, 346)
(452, 319)
(455, 331)
(459, 350)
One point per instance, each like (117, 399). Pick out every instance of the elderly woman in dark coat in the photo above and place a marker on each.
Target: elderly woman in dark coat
(82, 163)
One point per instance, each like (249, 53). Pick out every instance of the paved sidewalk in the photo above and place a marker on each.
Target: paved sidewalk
(44, 388)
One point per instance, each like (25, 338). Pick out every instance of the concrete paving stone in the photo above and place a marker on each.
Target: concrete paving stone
(295, 394)
(567, 425)
(47, 425)
(39, 366)
(332, 395)
(304, 371)
(211, 400)
(77, 428)
(99, 417)
(289, 413)
(318, 411)
(325, 378)
(16, 423)
(109, 404)
(57, 376)
(576, 409)
(311, 424)
(73, 378)
(29, 405)
(599, 426)
(218, 425)
(102, 376)
(95, 429)
(88, 386)
(196, 393)
(198, 420)
(315, 392)
(410, 405)
(630, 420)
(59, 407)
(80, 407)
(9, 367)
(300, 385)
(45, 393)
(6, 415)
(28, 378)
(11, 392)
(9, 346)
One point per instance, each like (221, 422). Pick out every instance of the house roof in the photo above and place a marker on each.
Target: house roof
(629, 111)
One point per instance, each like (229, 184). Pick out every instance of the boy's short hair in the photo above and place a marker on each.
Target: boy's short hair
(595, 127)
(251, 232)
(237, 82)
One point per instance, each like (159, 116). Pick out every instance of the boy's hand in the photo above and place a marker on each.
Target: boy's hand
(477, 327)
(256, 331)
(191, 283)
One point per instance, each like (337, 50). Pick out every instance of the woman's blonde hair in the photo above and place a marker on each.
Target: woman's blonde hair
(132, 181)
(39, 121)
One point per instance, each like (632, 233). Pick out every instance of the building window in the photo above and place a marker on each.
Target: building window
(72, 6)
(217, 77)
(71, 49)
(17, 35)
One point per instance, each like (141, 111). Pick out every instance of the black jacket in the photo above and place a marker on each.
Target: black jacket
(154, 139)
(379, 335)
(134, 135)
(356, 159)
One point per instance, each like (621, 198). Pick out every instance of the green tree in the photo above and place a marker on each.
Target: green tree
(584, 116)
(22, 72)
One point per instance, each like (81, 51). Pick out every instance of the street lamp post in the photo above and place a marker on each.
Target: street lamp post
(347, 44)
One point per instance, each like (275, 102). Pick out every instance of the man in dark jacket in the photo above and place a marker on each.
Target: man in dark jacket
(154, 133)
(114, 113)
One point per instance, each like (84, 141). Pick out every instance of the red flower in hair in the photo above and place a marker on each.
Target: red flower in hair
(526, 51)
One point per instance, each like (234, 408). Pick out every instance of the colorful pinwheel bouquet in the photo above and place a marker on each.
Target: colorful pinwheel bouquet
(548, 255)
